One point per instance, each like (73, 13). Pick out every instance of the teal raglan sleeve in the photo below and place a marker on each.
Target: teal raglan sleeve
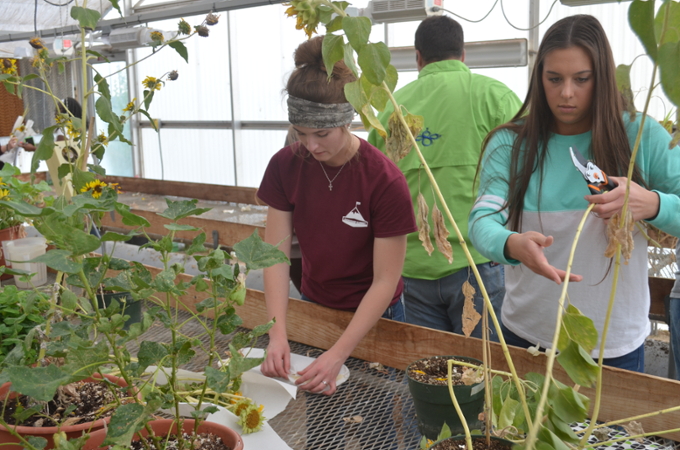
(486, 224)
(661, 169)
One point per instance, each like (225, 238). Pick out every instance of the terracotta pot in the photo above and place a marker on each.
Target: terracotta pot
(9, 234)
(72, 431)
(163, 427)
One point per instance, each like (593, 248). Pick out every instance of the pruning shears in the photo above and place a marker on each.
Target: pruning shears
(597, 180)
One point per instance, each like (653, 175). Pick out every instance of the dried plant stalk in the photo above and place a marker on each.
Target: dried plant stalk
(470, 315)
(441, 234)
(423, 224)
(617, 234)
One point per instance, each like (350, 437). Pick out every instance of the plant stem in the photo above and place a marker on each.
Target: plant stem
(533, 429)
(461, 416)
(627, 438)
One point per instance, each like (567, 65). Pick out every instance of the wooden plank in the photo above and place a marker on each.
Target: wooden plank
(26, 177)
(659, 288)
(216, 192)
(395, 344)
(229, 233)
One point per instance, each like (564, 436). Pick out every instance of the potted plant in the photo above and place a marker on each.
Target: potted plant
(427, 383)
(94, 338)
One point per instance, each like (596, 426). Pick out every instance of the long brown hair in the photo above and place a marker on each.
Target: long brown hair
(535, 122)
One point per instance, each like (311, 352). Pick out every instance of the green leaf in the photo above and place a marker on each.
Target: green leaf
(217, 380)
(60, 260)
(23, 208)
(179, 227)
(227, 323)
(334, 25)
(561, 429)
(126, 420)
(508, 411)
(332, 51)
(103, 86)
(181, 209)
(579, 365)
(349, 59)
(368, 115)
(45, 148)
(669, 61)
(239, 364)
(84, 358)
(548, 437)
(129, 218)
(180, 48)
(569, 405)
(87, 18)
(579, 328)
(373, 60)
(672, 32)
(355, 95)
(110, 236)
(104, 111)
(357, 30)
(41, 383)
(154, 124)
(114, 3)
(641, 19)
(257, 254)
(148, 98)
(196, 245)
(624, 86)
(151, 354)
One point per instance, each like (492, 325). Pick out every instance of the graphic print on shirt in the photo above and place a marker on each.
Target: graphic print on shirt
(354, 218)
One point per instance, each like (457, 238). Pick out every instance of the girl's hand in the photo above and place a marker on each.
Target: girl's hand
(277, 362)
(643, 204)
(320, 376)
(527, 248)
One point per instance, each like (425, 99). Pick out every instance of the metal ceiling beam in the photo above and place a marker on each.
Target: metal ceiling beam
(198, 7)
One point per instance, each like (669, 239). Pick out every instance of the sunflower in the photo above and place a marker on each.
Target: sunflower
(8, 66)
(96, 186)
(37, 43)
(184, 27)
(4, 193)
(2, 183)
(130, 106)
(241, 406)
(251, 419)
(152, 83)
(157, 37)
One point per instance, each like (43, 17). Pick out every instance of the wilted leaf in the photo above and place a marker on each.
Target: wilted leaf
(620, 234)
(399, 143)
(424, 224)
(470, 315)
(472, 376)
(441, 234)
(353, 419)
(633, 429)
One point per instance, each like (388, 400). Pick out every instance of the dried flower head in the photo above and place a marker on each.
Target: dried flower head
(157, 37)
(307, 17)
(173, 75)
(183, 27)
(212, 19)
(37, 43)
(202, 31)
(130, 106)
(620, 231)
(96, 187)
(152, 83)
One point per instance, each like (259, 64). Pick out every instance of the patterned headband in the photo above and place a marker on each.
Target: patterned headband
(305, 113)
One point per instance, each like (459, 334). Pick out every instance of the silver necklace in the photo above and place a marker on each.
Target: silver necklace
(330, 182)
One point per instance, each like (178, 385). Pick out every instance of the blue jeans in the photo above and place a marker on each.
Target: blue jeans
(439, 303)
(675, 334)
(634, 360)
(394, 312)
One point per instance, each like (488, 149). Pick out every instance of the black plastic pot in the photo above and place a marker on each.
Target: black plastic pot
(434, 405)
(461, 440)
(128, 306)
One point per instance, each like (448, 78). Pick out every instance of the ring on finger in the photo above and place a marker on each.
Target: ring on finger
(325, 382)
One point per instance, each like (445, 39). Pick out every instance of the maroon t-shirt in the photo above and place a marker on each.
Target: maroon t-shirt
(336, 229)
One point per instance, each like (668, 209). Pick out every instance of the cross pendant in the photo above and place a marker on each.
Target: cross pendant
(330, 187)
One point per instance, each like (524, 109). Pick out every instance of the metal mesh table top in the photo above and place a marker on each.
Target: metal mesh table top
(379, 395)
(311, 421)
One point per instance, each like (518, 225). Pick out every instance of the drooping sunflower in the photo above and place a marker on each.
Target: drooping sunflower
(96, 187)
(130, 106)
(251, 420)
(152, 83)
(37, 43)
(184, 27)
(8, 66)
(157, 37)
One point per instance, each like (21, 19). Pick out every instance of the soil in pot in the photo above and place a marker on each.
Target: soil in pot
(428, 385)
(478, 443)
(211, 436)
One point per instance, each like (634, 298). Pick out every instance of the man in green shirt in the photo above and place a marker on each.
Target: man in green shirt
(460, 108)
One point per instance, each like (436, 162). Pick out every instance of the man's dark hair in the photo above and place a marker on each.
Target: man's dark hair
(439, 38)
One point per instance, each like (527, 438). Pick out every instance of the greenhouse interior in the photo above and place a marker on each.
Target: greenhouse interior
(496, 224)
